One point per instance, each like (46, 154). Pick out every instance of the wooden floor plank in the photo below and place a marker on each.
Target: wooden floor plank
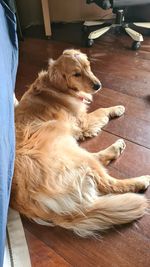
(42, 255)
(132, 129)
(115, 249)
(126, 86)
(137, 107)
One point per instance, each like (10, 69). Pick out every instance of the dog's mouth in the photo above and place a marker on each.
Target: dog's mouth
(86, 98)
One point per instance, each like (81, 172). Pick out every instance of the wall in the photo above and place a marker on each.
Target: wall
(74, 10)
(30, 11)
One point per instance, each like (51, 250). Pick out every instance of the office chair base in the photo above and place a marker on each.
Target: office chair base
(137, 37)
(133, 34)
(142, 24)
(99, 32)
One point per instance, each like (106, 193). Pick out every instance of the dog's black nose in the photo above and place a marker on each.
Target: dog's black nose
(97, 86)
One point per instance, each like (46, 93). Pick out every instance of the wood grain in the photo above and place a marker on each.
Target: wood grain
(42, 255)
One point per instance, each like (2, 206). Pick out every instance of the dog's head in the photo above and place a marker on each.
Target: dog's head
(72, 71)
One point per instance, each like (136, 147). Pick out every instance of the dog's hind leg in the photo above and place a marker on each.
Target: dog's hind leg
(112, 185)
(108, 184)
(111, 153)
(97, 119)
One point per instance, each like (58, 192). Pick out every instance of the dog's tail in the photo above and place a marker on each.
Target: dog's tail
(107, 211)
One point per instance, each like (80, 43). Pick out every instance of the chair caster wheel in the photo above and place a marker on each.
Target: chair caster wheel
(84, 28)
(136, 45)
(48, 37)
(90, 42)
(118, 30)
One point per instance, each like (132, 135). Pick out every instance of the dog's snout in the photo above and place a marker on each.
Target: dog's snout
(97, 86)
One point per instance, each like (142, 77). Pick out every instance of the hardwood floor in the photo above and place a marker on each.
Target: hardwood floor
(125, 76)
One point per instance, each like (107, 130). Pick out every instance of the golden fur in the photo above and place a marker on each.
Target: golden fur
(55, 180)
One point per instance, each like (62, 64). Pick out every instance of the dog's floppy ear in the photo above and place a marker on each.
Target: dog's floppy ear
(53, 70)
(50, 62)
(41, 81)
(55, 74)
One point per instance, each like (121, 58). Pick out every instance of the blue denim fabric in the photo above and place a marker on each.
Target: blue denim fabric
(8, 68)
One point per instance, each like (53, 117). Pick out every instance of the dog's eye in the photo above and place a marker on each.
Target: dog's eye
(77, 74)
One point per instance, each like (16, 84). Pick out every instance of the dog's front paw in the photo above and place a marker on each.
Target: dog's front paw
(145, 181)
(117, 111)
(117, 148)
(120, 146)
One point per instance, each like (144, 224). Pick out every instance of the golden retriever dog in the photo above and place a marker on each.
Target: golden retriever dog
(55, 180)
